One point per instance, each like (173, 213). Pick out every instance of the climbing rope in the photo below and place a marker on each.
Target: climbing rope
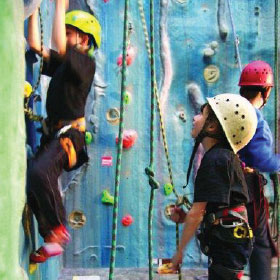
(27, 110)
(120, 147)
(162, 128)
(149, 170)
(236, 40)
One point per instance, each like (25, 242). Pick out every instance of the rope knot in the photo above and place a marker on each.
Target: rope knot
(152, 181)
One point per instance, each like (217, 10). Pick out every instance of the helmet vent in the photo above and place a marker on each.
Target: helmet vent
(242, 128)
(236, 112)
(243, 116)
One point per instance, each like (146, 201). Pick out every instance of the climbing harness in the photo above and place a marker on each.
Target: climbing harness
(236, 40)
(120, 147)
(27, 110)
(234, 219)
(227, 273)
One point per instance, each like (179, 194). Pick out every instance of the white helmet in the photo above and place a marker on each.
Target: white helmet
(237, 117)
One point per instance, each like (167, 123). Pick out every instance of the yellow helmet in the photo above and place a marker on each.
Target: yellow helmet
(85, 22)
(237, 117)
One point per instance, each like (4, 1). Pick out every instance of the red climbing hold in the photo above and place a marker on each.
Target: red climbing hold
(127, 220)
(130, 56)
(129, 138)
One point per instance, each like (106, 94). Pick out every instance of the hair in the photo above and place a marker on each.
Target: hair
(91, 40)
(250, 92)
(212, 119)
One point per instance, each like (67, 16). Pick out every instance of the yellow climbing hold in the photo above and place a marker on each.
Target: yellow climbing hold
(33, 267)
(27, 89)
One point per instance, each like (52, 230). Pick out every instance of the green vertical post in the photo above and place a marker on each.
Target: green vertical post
(12, 136)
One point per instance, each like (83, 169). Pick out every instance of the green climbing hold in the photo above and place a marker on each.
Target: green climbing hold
(88, 137)
(127, 98)
(168, 189)
(107, 198)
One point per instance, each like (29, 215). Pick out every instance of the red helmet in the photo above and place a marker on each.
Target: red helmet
(257, 73)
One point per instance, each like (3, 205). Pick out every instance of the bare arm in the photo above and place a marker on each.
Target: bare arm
(192, 221)
(33, 37)
(59, 30)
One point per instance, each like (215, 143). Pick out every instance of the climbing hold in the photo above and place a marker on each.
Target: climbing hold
(168, 188)
(33, 267)
(211, 73)
(113, 116)
(257, 11)
(195, 96)
(208, 52)
(127, 220)
(88, 137)
(214, 45)
(175, 213)
(107, 198)
(107, 161)
(129, 138)
(77, 219)
(27, 89)
(127, 97)
(182, 116)
(222, 19)
(130, 56)
(166, 268)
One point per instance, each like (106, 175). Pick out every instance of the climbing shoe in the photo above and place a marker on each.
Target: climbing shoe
(58, 235)
(46, 251)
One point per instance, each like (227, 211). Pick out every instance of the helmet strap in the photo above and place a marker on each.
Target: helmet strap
(203, 133)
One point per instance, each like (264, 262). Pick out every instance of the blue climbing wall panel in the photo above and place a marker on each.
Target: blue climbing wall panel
(196, 58)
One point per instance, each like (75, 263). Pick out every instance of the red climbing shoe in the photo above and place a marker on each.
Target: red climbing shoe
(58, 235)
(46, 251)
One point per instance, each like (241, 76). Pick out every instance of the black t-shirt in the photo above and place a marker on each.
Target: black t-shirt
(220, 180)
(72, 76)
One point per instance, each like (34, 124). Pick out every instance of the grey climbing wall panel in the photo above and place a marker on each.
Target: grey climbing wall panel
(196, 58)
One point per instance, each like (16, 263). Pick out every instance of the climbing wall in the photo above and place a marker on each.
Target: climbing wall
(199, 49)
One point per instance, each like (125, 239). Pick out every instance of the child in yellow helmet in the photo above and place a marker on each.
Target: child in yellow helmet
(71, 69)
(225, 125)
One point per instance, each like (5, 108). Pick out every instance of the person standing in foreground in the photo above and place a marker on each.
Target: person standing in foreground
(256, 82)
(71, 68)
(224, 126)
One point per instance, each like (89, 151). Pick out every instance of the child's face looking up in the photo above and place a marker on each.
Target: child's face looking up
(199, 121)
